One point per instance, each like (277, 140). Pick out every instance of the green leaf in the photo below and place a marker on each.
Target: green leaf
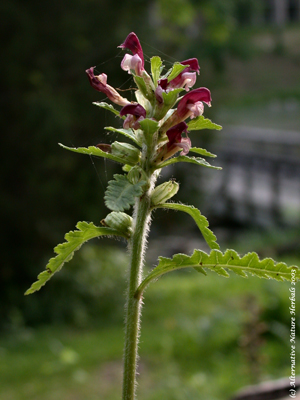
(200, 220)
(149, 126)
(126, 132)
(203, 152)
(156, 68)
(221, 262)
(142, 86)
(65, 251)
(141, 99)
(108, 107)
(193, 160)
(120, 193)
(202, 123)
(95, 151)
(175, 71)
(171, 97)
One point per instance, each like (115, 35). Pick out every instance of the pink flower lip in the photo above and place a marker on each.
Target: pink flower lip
(134, 63)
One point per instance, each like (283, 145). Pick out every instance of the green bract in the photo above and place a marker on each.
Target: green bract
(127, 152)
(120, 221)
(164, 192)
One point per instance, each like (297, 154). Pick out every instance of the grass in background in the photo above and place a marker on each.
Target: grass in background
(201, 337)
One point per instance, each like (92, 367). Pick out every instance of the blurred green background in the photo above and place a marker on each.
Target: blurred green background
(201, 335)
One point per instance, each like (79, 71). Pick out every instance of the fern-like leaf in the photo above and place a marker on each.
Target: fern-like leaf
(65, 251)
(120, 193)
(200, 220)
(221, 262)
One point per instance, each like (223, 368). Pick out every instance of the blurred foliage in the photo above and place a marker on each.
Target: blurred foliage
(196, 330)
(89, 290)
(46, 99)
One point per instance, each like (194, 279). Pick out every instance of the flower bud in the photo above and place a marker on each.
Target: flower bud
(135, 174)
(120, 221)
(129, 153)
(164, 192)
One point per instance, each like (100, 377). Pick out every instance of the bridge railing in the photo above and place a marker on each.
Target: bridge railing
(260, 180)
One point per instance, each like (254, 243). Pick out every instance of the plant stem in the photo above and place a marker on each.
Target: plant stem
(133, 306)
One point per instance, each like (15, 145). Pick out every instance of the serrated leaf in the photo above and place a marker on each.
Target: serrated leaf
(202, 123)
(65, 251)
(193, 160)
(126, 132)
(175, 71)
(108, 107)
(120, 193)
(220, 263)
(156, 67)
(149, 126)
(203, 152)
(95, 151)
(200, 220)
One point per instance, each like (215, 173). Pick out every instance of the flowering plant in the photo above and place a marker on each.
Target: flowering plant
(158, 124)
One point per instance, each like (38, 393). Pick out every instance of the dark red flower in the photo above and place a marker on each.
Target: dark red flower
(135, 62)
(132, 43)
(135, 113)
(99, 82)
(191, 103)
(176, 143)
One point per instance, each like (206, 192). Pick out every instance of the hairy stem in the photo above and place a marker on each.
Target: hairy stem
(133, 310)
